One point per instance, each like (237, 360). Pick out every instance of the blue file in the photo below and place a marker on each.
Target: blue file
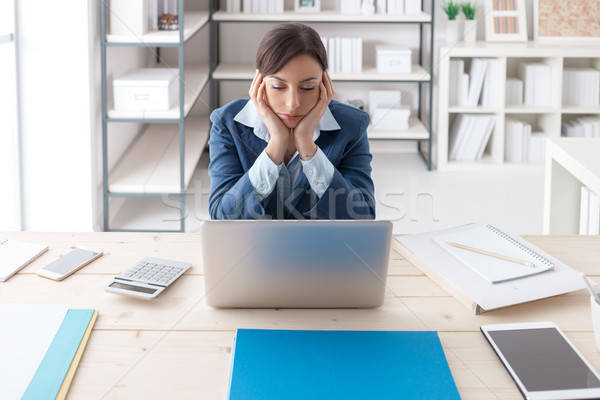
(54, 366)
(291, 364)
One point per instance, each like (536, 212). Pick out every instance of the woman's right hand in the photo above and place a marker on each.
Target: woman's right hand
(278, 132)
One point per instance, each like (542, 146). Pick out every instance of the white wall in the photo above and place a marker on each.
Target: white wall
(56, 114)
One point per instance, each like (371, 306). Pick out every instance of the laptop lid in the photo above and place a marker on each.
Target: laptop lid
(295, 264)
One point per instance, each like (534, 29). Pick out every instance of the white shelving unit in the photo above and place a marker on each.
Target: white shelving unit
(322, 16)
(195, 80)
(419, 127)
(546, 118)
(152, 164)
(194, 21)
(570, 164)
(152, 176)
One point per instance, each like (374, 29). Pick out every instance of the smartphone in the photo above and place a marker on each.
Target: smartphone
(542, 361)
(60, 268)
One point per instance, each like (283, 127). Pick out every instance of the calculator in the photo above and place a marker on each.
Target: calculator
(147, 278)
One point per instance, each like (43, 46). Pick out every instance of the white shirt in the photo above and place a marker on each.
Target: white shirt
(264, 174)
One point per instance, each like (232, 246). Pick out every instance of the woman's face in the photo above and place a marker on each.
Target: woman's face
(294, 90)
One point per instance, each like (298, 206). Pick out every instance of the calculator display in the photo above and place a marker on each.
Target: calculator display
(133, 288)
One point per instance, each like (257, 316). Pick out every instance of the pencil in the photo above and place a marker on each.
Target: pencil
(489, 253)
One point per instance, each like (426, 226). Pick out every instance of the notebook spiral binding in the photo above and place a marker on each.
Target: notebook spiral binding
(520, 245)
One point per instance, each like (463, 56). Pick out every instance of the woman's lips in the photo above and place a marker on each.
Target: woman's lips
(291, 117)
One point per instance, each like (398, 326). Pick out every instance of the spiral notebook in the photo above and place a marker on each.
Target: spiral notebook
(15, 255)
(467, 286)
(491, 239)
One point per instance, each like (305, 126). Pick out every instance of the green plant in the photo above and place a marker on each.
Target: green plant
(468, 9)
(451, 9)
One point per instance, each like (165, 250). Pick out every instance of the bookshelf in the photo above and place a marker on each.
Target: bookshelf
(570, 164)
(420, 125)
(547, 118)
(151, 177)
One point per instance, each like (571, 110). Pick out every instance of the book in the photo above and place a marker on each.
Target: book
(63, 356)
(15, 255)
(41, 345)
(491, 239)
(477, 73)
(465, 285)
(303, 364)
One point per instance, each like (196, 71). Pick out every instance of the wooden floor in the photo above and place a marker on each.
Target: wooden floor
(177, 347)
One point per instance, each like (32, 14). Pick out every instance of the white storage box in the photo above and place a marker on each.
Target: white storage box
(393, 60)
(128, 17)
(146, 89)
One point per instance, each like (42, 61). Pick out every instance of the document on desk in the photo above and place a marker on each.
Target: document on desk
(40, 349)
(487, 239)
(469, 288)
(296, 364)
(26, 334)
(15, 255)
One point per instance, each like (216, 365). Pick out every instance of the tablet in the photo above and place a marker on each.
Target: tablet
(542, 361)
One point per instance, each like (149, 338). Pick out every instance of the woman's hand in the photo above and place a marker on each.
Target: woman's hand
(279, 133)
(303, 133)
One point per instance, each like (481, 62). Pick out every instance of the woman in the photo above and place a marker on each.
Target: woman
(291, 152)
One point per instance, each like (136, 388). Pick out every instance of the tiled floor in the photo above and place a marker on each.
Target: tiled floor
(417, 200)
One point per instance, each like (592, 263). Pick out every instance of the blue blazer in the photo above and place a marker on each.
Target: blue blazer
(234, 147)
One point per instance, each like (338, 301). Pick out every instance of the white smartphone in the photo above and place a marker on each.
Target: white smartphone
(542, 361)
(64, 266)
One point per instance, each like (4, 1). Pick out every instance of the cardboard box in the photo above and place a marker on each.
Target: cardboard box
(146, 89)
(393, 59)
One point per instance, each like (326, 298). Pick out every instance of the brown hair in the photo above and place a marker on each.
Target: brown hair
(286, 41)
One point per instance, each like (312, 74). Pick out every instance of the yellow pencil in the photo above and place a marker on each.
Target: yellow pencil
(489, 253)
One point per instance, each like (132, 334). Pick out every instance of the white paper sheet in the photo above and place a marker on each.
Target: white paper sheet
(26, 332)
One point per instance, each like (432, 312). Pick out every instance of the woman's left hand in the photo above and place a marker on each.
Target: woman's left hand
(303, 133)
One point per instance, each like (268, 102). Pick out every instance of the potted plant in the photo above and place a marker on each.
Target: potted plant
(470, 25)
(452, 24)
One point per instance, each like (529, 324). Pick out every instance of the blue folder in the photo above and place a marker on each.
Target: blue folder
(290, 364)
(51, 373)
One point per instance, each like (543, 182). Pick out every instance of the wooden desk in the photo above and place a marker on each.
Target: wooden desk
(177, 347)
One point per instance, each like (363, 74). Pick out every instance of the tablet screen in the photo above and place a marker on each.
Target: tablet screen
(543, 360)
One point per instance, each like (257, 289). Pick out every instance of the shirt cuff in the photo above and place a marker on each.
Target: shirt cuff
(319, 171)
(263, 175)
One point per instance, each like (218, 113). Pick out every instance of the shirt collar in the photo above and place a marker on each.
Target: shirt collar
(249, 116)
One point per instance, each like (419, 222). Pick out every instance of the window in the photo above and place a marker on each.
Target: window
(10, 171)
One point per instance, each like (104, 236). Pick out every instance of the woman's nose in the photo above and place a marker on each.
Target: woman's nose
(292, 101)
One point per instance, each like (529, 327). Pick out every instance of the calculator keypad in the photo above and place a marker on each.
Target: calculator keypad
(155, 273)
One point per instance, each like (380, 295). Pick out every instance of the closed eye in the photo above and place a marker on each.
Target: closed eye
(308, 89)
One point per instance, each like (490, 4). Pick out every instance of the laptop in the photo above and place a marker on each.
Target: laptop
(295, 264)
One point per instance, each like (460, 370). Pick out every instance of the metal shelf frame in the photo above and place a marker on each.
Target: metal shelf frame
(424, 151)
(180, 45)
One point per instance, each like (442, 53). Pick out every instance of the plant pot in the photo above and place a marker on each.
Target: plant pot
(452, 30)
(469, 30)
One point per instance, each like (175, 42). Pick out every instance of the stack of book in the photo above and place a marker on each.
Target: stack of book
(521, 144)
(386, 110)
(255, 6)
(514, 91)
(536, 83)
(344, 54)
(582, 127)
(398, 7)
(479, 86)
(589, 215)
(469, 136)
(581, 87)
